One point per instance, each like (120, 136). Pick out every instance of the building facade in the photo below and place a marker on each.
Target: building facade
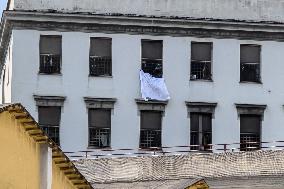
(75, 66)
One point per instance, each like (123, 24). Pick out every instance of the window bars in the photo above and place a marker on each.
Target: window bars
(52, 132)
(249, 142)
(153, 67)
(250, 72)
(50, 64)
(201, 60)
(100, 66)
(150, 138)
(250, 62)
(99, 137)
(200, 70)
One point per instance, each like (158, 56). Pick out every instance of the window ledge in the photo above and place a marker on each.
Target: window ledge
(52, 74)
(100, 76)
(251, 82)
(101, 149)
(202, 80)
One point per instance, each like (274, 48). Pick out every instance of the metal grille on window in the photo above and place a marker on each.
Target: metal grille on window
(250, 132)
(201, 58)
(150, 134)
(201, 131)
(52, 132)
(99, 128)
(100, 57)
(50, 54)
(250, 63)
(49, 121)
(152, 55)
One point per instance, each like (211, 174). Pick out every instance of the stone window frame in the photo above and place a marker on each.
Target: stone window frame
(201, 107)
(99, 103)
(251, 109)
(151, 105)
(49, 100)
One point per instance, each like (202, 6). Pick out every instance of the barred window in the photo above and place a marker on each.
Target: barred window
(250, 132)
(100, 57)
(99, 127)
(152, 57)
(150, 133)
(201, 60)
(50, 54)
(201, 131)
(250, 63)
(49, 120)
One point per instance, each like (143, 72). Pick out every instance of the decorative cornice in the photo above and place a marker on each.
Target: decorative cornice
(49, 100)
(151, 105)
(107, 103)
(200, 107)
(251, 109)
(251, 106)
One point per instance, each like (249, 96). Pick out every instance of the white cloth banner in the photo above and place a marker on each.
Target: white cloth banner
(153, 88)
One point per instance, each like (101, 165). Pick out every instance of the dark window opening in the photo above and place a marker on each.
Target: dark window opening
(99, 128)
(152, 57)
(50, 54)
(100, 57)
(150, 133)
(250, 63)
(49, 121)
(250, 132)
(201, 59)
(201, 131)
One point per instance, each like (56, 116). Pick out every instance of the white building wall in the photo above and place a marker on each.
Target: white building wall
(75, 84)
(6, 76)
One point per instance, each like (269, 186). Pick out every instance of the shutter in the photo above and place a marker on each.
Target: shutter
(250, 124)
(207, 123)
(151, 120)
(194, 122)
(250, 54)
(49, 115)
(100, 47)
(100, 118)
(201, 51)
(50, 45)
(152, 49)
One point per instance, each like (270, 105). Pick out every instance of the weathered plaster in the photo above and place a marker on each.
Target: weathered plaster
(258, 10)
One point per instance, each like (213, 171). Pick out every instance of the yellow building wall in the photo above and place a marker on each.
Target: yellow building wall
(19, 156)
(59, 180)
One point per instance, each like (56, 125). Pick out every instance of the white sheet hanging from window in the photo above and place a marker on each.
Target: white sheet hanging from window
(153, 88)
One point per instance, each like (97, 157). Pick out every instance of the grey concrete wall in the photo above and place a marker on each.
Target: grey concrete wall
(130, 169)
(257, 10)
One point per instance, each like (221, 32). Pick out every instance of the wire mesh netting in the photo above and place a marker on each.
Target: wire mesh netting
(208, 165)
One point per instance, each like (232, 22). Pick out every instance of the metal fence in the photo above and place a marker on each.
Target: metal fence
(94, 153)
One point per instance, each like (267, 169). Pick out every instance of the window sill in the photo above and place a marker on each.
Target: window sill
(101, 149)
(250, 82)
(53, 74)
(100, 76)
(202, 80)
